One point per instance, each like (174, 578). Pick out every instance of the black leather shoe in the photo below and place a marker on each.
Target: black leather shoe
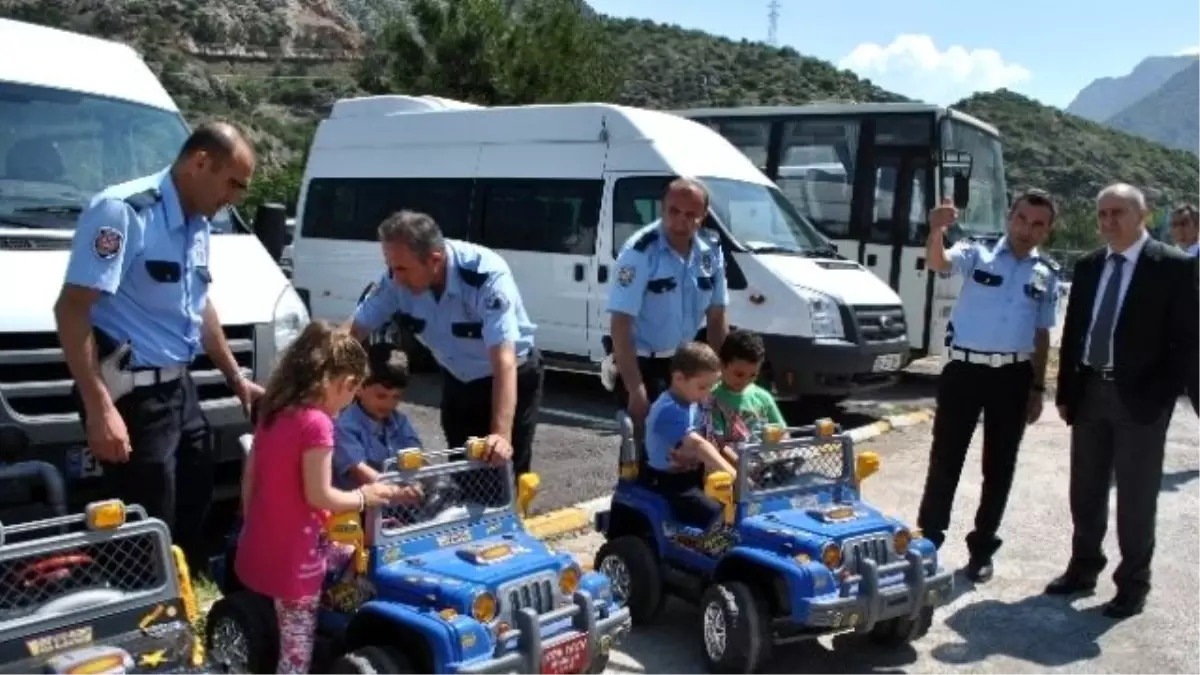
(1071, 583)
(979, 571)
(1124, 605)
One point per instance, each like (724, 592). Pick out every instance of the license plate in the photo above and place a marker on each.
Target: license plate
(886, 363)
(83, 464)
(568, 656)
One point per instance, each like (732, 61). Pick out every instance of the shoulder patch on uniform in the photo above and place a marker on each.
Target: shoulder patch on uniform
(472, 278)
(496, 301)
(144, 199)
(108, 242)
(645, 241)
(706, 262)
(626, 274)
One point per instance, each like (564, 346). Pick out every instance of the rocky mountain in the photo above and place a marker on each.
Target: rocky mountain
(1108, 96)
(1169, 115)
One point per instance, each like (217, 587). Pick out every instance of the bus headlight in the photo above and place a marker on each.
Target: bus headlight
(826, 319)
(289, 319)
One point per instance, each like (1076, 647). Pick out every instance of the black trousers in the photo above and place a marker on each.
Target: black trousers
(1109, 446)
(656, 376)
(687, 500)
(965, 390)
(170, 468)
(467, 409)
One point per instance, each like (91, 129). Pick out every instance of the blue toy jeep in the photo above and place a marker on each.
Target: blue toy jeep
(798, 554)
(452, 585)
(102, 591)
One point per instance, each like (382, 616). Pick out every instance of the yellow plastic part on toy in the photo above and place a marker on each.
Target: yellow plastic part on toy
(346, 528)
(188, 595)
(475, 447)
(629, 470)
(772, 433)
(409, 459)
(527, 490)
(718, 485)
(824, 427)
(865, 465)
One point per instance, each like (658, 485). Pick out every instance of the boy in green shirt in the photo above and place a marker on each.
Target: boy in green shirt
(741, 408)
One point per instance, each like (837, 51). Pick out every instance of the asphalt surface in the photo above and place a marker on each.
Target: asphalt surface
(1006, 625)
(575, 450)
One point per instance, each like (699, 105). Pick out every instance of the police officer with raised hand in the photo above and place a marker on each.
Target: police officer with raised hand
(460, 301)
(997, 364)
(134, 311)
(670, 281)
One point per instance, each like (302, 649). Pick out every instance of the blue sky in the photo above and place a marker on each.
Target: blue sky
(941, 51)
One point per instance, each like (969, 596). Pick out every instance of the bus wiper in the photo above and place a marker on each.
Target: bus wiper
(54, 209)
(772, 248)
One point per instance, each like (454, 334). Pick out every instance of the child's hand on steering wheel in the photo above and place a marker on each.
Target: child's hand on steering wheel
(406, 494)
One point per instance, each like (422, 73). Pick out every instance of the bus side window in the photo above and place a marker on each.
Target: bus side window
(816, 171)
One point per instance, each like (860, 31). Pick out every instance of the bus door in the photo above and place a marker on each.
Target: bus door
(896, 224)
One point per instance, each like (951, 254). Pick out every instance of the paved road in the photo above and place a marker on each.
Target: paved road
(1006, 625)
(575, 451)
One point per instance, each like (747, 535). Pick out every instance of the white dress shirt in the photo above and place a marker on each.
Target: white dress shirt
(1131, 255)
(1193, 250)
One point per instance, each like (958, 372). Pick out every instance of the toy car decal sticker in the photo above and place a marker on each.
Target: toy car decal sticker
(712, 544)
(66, 639)
(452, 538)
(153, 659)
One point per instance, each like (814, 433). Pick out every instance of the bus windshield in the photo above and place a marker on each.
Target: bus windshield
(59, 148)
(760, 218)
(987, 212)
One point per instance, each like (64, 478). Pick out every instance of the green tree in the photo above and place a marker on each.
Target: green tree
(493, 52)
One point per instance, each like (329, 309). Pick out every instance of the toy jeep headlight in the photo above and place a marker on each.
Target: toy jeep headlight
(831, 555)
(900, 541)
(475, 448)
(106, 515)
(409, 459)
(483, 607)
(568, 579)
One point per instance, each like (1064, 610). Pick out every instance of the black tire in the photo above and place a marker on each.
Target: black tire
(742, 615)
(903, 630)
(253, 617)
(373, 659)
(645, 594)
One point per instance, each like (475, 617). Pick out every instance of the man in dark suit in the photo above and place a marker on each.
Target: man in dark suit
(1129, 347)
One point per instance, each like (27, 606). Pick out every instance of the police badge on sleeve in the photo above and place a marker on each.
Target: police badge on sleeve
(496, 302)
(625, 275)
(107, 243)
(706, 264)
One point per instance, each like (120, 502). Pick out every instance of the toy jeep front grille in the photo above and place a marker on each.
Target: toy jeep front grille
(876, 547)
(71, 566)
(537, 593)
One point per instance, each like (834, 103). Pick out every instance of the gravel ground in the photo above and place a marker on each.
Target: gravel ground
(1007, 625)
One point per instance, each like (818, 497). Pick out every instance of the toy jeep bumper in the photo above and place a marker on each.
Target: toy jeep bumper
(163, 648)
(872, 604)
(569, 651)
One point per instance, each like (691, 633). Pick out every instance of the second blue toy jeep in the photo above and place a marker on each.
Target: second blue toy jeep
(798, 555)
(452, 585)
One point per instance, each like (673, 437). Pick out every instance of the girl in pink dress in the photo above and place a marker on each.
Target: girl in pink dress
(287, 487)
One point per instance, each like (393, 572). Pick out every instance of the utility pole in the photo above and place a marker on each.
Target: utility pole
(773, 23)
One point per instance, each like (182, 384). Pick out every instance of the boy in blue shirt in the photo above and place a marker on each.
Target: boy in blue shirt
(675, 438)
(371, 430)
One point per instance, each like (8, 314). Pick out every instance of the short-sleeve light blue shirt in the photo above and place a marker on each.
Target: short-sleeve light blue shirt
(667, 294)
(1004, 299)
(360, 438)
(480, 308)
(149, 261)
(669, 421)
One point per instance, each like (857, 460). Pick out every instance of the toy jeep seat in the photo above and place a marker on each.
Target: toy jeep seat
(30, 491)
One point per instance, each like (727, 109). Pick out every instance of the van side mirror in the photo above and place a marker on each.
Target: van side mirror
(270, 226)
(962, 191)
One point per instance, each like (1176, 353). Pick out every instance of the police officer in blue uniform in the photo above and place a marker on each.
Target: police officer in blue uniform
(460, 301)
(670, 281)
(134, 311)
(1000, 339)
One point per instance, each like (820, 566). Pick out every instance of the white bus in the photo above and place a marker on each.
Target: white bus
(867, 174)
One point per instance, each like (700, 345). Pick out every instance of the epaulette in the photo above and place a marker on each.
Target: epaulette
(645, 240)
(472, 278)
(144, 199)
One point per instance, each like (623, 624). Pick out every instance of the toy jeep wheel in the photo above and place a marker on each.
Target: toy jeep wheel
(632, 568)
(902, 630)
(733, 628)
(241, 634)
(373, 659)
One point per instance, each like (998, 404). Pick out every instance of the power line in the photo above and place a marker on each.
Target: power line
(773, 23)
